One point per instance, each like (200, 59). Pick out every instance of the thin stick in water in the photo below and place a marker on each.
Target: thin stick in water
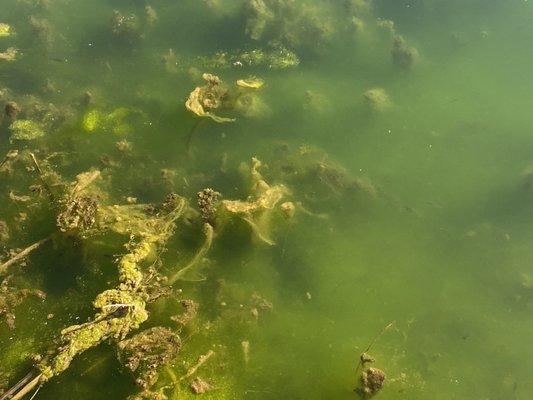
(22, 254)
(201, 361)
(372, 344)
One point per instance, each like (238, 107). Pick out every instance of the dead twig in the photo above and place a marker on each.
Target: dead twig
(364, 354)
(22, 254)
(201, 361)
(22, 387)
(41, 175)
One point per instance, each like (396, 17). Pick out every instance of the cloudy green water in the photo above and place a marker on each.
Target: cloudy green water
(444, 250)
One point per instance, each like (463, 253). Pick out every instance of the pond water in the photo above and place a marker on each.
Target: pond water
(371, 165)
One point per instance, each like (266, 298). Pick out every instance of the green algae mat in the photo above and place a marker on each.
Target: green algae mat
(266, 199)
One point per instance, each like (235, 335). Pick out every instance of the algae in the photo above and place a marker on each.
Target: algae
(5, 30)
(26, 130)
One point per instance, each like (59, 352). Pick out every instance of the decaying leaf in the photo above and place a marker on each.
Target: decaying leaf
(209, 97)
(251, 83)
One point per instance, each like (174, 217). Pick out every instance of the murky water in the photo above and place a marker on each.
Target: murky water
(397, 135)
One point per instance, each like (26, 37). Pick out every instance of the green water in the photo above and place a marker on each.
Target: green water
(439, 243)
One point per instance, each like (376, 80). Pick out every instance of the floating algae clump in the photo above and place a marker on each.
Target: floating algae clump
(5, 30)
(247, 101)
(123, 308)
(25, 129)
(116, 121)
(377, 99)
(257, 209)
(403, 55)
(296, 24)
(114, 321)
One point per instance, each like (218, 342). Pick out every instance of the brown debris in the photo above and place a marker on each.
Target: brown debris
(211, 96)
(11, 298)
(12, 110)
(199, 386)
(4, 232)
(190, 310)
(403, 55)
(79, 213)
(207, 200)
(21, 255)
(146, 351)
(373, 380)
(201, 361)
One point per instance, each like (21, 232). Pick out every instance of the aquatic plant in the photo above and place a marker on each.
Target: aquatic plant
(122, 309)
(257, 210)
(303, 25)
(403, 55)
(116, 121)
(377, 99)
(25, 129)
(5, 30)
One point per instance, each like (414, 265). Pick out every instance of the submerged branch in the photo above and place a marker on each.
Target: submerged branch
(201, 361)
(22, 387)
(22, 254)
(362, 357)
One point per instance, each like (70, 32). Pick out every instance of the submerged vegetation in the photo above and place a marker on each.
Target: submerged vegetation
(191, 201)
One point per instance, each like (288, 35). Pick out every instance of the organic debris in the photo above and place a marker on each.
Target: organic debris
(190, 310)
(257, 210)
(9, 55)
(403, 55)
(119, 121)
(122, 309)
(211, 96)
(125, 26)
(4, 232)
(11, 297)
(21, 255)
(79, 207)
(201, 361)
(251, 83)
(12, 110)
(145, 352)
(24, 129)
(5, 30)
(245, 344)
(185, 272)
(199, 386)
(373, 380)
(302, 25)
(377, 99)
(207, 200)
